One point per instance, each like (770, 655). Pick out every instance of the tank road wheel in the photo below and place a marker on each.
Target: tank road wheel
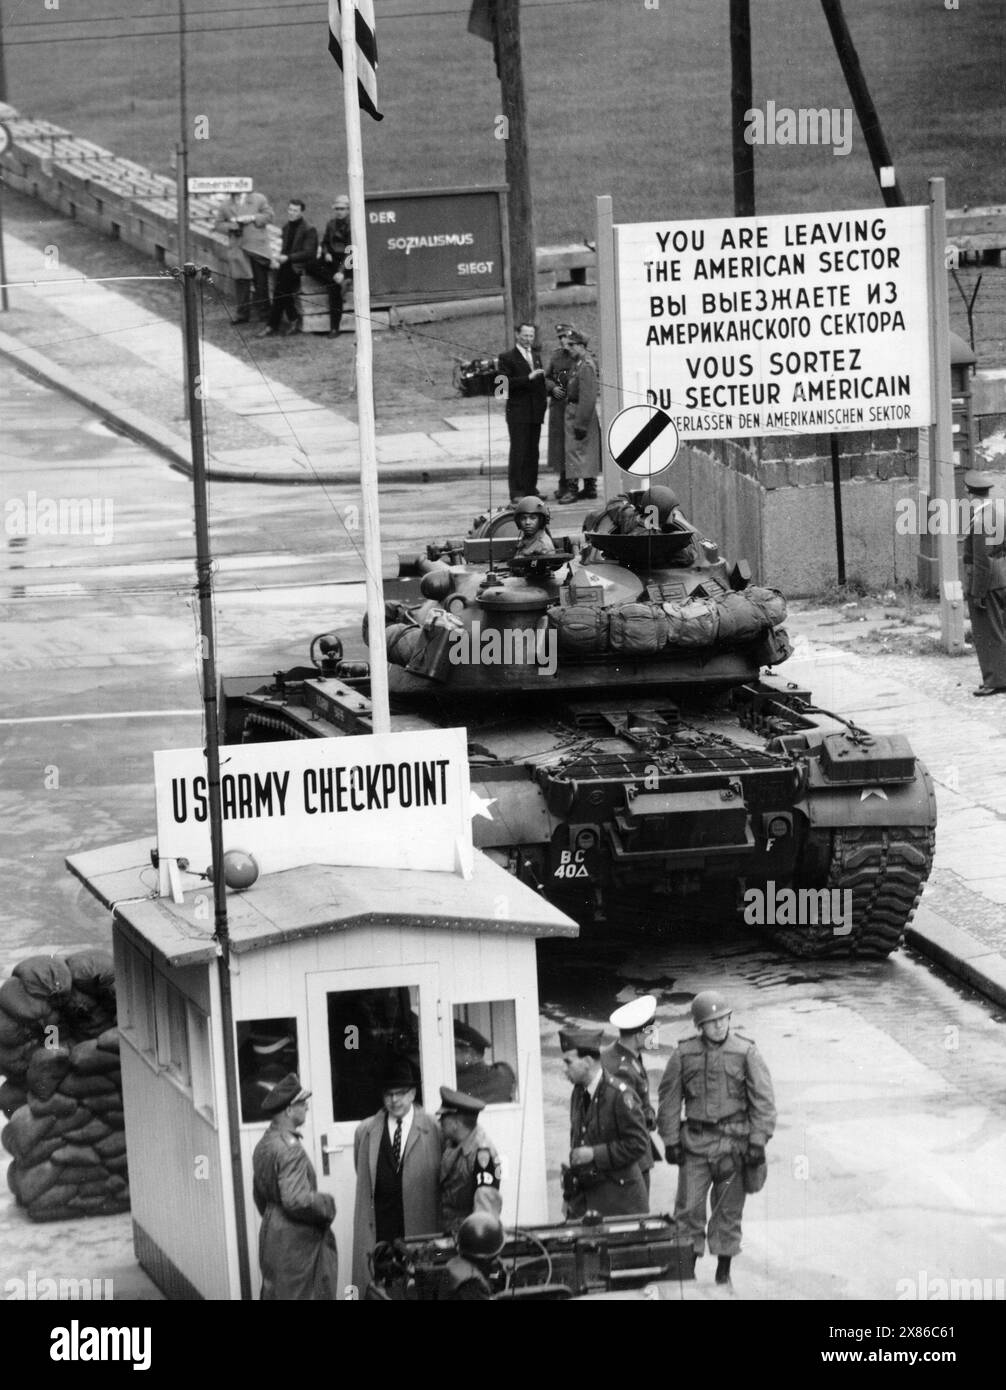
(884, 868)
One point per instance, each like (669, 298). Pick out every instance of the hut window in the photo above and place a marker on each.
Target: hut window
(138, 986)
(172, 1030)
(202, 1066)
(485, 1050)
(267, 1051)
(371, 1033)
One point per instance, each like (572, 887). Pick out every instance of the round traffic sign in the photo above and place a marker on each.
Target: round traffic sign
(643, 440)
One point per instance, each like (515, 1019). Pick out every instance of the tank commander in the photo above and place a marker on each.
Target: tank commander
(495, 1082)
(729, 1117)
(532, 518)
(480, 1241)
(469, 1164)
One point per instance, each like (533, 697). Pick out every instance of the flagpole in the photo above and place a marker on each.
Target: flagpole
(364, 379)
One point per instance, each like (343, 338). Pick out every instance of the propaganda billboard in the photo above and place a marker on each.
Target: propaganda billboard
(442, 244)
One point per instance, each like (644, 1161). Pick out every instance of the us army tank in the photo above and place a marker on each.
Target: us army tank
(635, 755)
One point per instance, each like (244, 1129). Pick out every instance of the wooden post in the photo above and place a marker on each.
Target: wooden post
(941, 443)
(869, 121)
(520, 221)
(609, 367)
(740, 102)
(370, 515)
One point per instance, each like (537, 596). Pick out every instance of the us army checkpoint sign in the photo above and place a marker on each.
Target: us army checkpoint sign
(795, 324)
(376, 801)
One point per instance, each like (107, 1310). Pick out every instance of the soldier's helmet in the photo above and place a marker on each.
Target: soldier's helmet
(531, 506)
(708, 1006)
(662, 499)
(480, 1236)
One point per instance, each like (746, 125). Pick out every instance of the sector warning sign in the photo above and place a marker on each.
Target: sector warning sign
(811, 322)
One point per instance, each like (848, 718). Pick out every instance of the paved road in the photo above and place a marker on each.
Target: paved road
(886, 1167)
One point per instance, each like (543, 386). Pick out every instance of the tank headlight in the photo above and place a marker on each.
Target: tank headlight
(585, 839)
(779, 827)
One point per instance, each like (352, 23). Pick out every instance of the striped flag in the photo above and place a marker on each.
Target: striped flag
(366, 51)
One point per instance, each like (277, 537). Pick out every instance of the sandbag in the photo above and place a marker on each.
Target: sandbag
(108, 1041)
(87, 1059)
(98, 1188)
(14, 1060)
(56, 1104)
(18, 1003)
(38, 1153)
(45, 977)
(74, 1174)
(111, 1147)
(76, 1156)
(55, 1203)
(117, 1184)
(581, 627)
(85, 1016)
(32, 1182)
(93, 972)
(740, 620)
(106, 1107)
(89, 1133)
(67, 1125)
(12, 1097)
(637, 628)
(14, 1031)
(118, 1165)
(691, 624)
(769, 602)
(97, 1206)
(24, 1130)
(87, 1086)
(47, 1069)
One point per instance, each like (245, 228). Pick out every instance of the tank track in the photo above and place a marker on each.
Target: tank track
(885, 868)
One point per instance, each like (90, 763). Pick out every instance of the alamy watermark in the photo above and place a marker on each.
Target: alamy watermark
(33, 1288)
(956, 516)
(493, 646)
(799, 907)
(936, 1289)
(807, 125)
(32, 515)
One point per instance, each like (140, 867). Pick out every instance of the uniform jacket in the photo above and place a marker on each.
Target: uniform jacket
(297, 1253)
(493, 1082)
(334, 241)
(583, 456)
(420, 1184)
(254, 234)
(624, 1065)
(984, 564)
(469, 1179)
(615, 1129)
(727, 1082)
(526, 399)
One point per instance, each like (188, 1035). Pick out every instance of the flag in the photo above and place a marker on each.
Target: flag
(483, 23)
(366, 51)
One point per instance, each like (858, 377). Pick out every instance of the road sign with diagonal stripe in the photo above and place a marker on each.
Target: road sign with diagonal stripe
(643, 440)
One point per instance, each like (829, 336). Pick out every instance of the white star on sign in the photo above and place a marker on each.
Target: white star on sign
(873, 791)
(479, 805)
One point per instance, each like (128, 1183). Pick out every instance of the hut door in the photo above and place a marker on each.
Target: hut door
(360, 1023)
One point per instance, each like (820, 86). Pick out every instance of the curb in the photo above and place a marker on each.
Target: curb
(153, 435)
(958, 952)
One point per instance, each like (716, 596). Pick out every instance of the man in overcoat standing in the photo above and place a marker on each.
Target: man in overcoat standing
(397, 1157)
(624, 1061)
(526, 400)
(297, 1252)
(607, 1134)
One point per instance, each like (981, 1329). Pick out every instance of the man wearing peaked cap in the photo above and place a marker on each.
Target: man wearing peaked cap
(492, 1082)
(624, 1061)
(607, 1134)
(556, 376)
(469, 1166)
(985, 582)
(297, 1252)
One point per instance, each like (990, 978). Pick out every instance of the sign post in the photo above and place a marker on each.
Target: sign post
(4, 142)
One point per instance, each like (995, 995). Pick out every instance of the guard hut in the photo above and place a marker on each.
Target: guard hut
(334, 970)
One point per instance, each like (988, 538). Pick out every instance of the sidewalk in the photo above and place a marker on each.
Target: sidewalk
(132, 375)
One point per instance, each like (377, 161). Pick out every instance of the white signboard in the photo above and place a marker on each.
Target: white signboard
(378, 801)
(222, 185)
(801, 324)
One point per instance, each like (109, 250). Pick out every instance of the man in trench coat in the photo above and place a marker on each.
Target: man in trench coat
(297, 1252)
(397, 1158)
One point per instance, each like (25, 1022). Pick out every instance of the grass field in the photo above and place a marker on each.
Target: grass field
(624, 99)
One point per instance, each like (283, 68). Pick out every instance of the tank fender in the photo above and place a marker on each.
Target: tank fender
(894, 803)
(516, 814)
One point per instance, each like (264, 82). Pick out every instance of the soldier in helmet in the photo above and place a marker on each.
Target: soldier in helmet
(532, 518)
(480, 1239)
(729, 1117)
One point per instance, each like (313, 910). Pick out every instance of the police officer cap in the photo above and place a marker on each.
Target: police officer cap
(284, 1093)
(576, 337)
(634, 1015)
(457, 1103)
(398, 1075)
(465, 1033)
(582, 1040)
(562, 329)
(265, 1044)
(975, 481)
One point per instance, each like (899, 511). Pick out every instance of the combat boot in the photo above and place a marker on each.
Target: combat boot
(589, 493)
(723, 1269)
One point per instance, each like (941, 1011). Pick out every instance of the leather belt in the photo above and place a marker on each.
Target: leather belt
(715, 1124)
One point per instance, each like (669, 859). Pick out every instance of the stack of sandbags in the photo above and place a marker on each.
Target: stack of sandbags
(64, 1088)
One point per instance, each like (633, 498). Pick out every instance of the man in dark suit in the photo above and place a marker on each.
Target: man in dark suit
(624, 1061)
(607, 1134)
(526, 399)
(299, 249)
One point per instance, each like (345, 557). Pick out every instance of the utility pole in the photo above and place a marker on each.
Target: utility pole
(520, 216)
(866, 112)
(204, 582)
(3, 61)
(740, 103)
(182, 167)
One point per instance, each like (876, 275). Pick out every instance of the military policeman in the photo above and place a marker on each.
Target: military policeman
(493, 1082)
(985, 582)
(729, 1118)
(469, 1165)
(479, 1242)
(607, 1134)
(624, 1061)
